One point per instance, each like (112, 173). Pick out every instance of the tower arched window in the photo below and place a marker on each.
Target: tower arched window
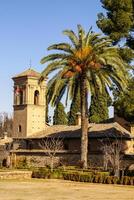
(19, 129)
(36, 97)
(21, 97)
(18, 96)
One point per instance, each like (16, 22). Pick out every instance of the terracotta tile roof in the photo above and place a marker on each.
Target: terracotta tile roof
(95, 131)
(102, 127)
(28, 73)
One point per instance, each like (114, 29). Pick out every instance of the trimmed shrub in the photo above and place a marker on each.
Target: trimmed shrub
(81, 176)
(41, 173)
(131, 180)
(78, 176)
(96, 179)
(109, 179)
(115, 180)
(46, 173)
(103, 173)
(126, 180)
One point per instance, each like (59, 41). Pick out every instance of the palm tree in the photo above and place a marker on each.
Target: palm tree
(90, 63)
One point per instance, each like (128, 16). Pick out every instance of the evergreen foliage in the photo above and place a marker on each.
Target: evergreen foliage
(119, 19)
(98, 111)
(60, 117)
(119, 24)
(74, 109)
(47, 117)
(124, 103)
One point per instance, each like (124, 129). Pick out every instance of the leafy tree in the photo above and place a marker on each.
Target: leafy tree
(124, 102)
(118, 23)
(6, 124)
(98, 111)
(48, 118)
(74, 109)
(89, 63)
(60, 117)
(119, 20)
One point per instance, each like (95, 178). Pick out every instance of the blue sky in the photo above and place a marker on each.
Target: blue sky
(28, 27)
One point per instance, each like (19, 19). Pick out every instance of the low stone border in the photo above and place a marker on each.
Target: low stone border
(16, 175)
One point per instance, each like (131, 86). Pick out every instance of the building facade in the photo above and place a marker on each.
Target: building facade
(29, 126)
(29, 104)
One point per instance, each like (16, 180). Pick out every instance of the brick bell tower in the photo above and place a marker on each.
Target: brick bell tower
(29, 104)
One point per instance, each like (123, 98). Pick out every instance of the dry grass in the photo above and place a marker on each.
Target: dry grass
(62, 190)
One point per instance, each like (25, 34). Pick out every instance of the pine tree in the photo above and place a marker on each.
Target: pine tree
(60, 117)
(98, 111)
(74, 109)
(48, 118)
(119, 20)
(118, 24)
(124, 102)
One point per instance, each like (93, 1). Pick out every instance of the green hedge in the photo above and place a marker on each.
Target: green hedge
(78, 176)
(100, 178)
(90, 177)
(46, 173)
(84, 176)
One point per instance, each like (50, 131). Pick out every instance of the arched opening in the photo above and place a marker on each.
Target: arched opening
(36, 97)
(18, 96)
(19, 129)
(21, 97)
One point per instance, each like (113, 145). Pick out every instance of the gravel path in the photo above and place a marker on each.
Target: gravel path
(36, 189)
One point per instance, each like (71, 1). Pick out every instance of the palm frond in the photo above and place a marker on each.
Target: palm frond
(81, 35)
(74, 83)
(61, 46)
(53, 57)
(102, 44)
(92, 38)
(72, 37)
(51, 67)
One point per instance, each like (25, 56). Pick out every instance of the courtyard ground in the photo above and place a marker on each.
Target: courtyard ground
(37, 189)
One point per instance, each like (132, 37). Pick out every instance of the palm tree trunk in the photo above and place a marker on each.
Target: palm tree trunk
(84, 122)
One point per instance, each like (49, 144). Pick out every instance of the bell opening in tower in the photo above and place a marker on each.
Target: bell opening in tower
(36, 97)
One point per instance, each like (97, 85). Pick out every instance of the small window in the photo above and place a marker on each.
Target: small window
(36, 97)
(19, 129)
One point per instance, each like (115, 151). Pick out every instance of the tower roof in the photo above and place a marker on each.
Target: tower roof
(28, 73)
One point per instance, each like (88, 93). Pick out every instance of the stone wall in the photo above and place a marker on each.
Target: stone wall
(41, 159)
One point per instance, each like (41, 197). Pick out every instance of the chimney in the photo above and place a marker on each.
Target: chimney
(78, 118)
(5, 135)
